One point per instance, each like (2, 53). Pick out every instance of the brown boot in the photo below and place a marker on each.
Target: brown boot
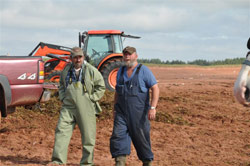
(120, 161)
(147, 163)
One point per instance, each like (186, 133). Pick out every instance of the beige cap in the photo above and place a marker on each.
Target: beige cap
(129, 50)
(76, 51)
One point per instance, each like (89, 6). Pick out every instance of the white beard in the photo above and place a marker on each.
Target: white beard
(129, 64)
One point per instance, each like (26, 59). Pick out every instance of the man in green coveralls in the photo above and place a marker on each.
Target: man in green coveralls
(81, 86)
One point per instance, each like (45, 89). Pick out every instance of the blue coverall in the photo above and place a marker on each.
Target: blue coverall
(131, 119)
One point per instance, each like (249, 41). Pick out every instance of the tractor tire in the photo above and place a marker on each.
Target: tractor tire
(54, 76)
(109, 73)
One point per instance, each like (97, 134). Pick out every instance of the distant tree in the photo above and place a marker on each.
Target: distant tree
(167, 62)
(200, 62)
(177, 62)
(156, 61)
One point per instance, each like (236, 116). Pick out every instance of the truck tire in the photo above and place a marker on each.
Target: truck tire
(54, 76)
(2, 103)
(109, 73)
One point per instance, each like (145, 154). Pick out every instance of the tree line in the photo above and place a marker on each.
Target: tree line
(199, 62)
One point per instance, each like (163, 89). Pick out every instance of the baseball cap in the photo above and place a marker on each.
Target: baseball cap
(76, 51)
(129, 49)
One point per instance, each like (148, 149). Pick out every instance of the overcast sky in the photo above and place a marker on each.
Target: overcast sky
(170, 29)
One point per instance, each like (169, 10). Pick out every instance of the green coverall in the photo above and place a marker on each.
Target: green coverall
(80, 106)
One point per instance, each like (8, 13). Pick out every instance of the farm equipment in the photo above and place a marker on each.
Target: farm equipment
(103, 50)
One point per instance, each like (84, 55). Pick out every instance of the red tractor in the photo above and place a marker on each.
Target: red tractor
(102, 47)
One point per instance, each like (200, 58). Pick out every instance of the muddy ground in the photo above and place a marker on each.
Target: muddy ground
(198, 123)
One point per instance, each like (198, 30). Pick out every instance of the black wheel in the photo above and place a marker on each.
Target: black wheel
(2, 104)
(54, 76)
(109, 73)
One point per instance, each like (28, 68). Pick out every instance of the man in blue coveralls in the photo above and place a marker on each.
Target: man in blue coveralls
(133, 109)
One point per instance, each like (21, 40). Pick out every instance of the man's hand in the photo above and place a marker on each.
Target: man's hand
(151, 114)
(154, 101)
(240, 85)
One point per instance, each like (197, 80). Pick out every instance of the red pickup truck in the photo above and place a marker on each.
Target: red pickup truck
(21, 82)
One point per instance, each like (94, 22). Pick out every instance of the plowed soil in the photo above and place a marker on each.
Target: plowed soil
(198, 123)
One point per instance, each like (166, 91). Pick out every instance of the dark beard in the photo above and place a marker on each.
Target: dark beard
(77, 65)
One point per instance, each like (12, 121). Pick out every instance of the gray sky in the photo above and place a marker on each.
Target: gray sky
(170, 29)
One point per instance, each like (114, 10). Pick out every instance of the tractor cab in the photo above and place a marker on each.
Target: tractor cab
(102, 45)
(99, 44)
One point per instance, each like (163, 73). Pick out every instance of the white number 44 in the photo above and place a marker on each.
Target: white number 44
(24, 76)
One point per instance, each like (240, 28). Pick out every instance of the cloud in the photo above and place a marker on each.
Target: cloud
(148, 16)
(169, 29)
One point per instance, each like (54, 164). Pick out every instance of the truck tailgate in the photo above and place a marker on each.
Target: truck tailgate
(20, 71)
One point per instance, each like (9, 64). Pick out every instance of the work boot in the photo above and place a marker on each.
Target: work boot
(55, 164)
(120, 161)
(147, 163)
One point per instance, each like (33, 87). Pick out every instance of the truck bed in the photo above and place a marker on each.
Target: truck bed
(22, 74)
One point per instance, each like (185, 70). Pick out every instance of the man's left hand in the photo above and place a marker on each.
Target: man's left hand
(151, 114)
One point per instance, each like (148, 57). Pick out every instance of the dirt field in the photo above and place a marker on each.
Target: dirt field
(198, 123)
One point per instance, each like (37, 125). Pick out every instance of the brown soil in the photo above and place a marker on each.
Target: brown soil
(198, 123)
